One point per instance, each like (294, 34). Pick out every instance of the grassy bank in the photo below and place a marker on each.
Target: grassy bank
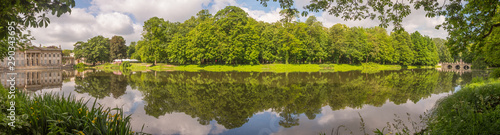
(475, 109)
(56, 114)
(365, 67)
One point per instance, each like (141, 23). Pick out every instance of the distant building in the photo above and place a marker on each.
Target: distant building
(122, 60)
(36, 58)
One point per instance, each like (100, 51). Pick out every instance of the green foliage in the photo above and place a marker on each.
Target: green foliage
(208, 95)
(131, 50)
(95, 50)
(467, 22)
(443, 51)
(475, 109)
(479, 63)
(117, 47)
(79, 66)
(232, 37)
(402, 44)
(56, 114)
(495, 73)
(66, 52)
(125, 65)
(21, 14)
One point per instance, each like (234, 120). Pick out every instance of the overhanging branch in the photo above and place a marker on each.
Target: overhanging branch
(491, 29)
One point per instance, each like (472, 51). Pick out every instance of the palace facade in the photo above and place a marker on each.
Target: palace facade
(36, 58)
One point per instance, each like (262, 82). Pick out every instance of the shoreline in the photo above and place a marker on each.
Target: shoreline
(364, 67)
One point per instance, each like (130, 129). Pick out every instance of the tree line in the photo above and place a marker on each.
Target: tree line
(232, 37)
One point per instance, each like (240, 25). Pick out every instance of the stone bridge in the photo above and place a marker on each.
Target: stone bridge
(455, 66)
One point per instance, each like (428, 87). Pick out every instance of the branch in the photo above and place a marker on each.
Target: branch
(491, 29)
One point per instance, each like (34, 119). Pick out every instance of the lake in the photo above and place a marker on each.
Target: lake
(252, 103)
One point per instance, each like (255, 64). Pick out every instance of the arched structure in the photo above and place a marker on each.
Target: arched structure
(455, 65)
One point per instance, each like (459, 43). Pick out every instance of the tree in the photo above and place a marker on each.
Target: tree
(117, 47)
(66, 52)
(337, 36)
(443, 52)
(459, 15)
(382, 50)
(131, 50)
(401, 42)
(24, 13)
(152, 43)
(94, 50)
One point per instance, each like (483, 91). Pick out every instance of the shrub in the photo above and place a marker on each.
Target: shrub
(125, 65)
(55, 114)
(474, 109)
(495, 74)
(79, 66)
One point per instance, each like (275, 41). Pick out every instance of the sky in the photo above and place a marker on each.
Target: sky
(90, 18)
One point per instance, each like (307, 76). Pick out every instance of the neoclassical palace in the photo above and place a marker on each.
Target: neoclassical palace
(36, 58)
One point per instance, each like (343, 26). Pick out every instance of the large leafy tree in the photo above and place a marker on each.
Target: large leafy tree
(401, 42)
(117, 47)
(94, 50)
(337, 37)
(151, 45)
(131, 50)
(443, 51)
(21, 14)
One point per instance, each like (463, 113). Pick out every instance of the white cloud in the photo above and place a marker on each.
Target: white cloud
(172, 10)
(259, 15)
(115, 23)
(81, 25)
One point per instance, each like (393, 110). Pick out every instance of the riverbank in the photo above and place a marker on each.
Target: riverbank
(364, 67)
(55, 114)
(475, 109)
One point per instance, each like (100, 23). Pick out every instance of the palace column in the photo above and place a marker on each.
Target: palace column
(39, 59)
(27, 59)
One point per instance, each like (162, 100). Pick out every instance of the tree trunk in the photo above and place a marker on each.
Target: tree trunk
(350, 60)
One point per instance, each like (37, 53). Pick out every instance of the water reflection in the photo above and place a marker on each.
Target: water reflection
(259, 103)
(34, 80)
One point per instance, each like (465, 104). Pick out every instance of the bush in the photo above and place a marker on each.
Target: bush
(79, 66)
(56, 114)
(495, 74)
(125, 65)
(475, 109)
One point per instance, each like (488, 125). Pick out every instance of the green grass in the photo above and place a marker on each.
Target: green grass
(56, 114)
(475, 109)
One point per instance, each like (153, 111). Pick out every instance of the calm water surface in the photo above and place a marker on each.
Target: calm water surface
(254, 103)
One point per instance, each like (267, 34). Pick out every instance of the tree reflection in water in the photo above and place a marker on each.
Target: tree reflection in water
(231, 98)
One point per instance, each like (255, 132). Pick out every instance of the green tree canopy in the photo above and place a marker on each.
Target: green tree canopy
(117, 47)
(21, 14)
(95, 50)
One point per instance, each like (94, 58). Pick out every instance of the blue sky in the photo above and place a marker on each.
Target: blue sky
(125, 18)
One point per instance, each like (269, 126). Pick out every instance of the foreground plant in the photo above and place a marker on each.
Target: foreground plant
(475, 109)
(56, 114)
